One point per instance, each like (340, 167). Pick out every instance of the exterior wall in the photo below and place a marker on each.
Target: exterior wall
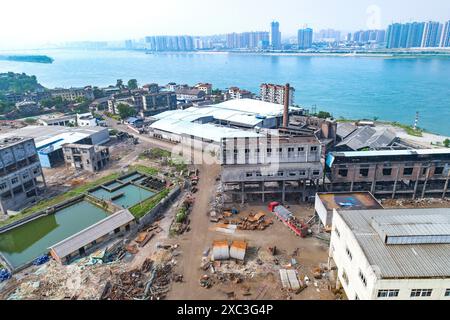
(420, 179)
(352, 267)
(19, 170)
(86, 158)
(340, 240)
(256, 169)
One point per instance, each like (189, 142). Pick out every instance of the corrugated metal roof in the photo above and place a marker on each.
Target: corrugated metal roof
(94, 232)
(399, 261)
(368, 137)
(345, 129)
(203, 131)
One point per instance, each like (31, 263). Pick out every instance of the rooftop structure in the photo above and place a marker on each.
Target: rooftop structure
(326, 203)
(365, 137)
(392, 253)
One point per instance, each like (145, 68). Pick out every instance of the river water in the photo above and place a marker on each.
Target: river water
(352, 87)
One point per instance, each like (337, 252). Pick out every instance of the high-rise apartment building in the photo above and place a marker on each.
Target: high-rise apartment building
(246, 40)
(445, 39)
(275, 35)
(407, 35)
(275, 93)
(432, 34)
(305, 37)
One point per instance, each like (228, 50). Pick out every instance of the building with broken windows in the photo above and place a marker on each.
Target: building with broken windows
(282, 167)
(86, 157)
(390, 173)
(21, 176)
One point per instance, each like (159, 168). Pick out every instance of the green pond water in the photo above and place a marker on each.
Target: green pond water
(23, 244)
(131, 178)
(131, 195)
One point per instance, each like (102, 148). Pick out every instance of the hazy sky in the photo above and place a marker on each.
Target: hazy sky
(30, 22)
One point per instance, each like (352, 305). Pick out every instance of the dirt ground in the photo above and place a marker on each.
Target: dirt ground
(261, 284)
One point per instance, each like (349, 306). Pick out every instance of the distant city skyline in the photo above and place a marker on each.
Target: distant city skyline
(31, 23)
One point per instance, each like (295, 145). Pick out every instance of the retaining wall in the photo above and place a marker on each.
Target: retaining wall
(159, 209)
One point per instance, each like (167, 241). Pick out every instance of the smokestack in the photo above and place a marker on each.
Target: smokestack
(286, 106)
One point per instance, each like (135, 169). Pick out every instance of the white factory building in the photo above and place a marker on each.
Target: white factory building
(392, 254)
(231, 119)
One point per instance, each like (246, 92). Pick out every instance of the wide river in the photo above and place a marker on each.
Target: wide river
(351, 87)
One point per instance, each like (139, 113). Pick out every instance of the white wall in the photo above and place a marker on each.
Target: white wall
(355, 286)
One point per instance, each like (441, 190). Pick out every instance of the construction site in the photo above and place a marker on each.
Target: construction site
(258, 223)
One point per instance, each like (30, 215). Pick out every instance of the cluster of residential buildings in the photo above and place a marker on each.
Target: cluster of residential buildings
(429, 34)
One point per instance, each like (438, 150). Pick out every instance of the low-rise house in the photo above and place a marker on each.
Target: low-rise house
(189, 94)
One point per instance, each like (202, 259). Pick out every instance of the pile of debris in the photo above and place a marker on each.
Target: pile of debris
(150, 282)
(181, 222)
(154, 183)
(416, 203)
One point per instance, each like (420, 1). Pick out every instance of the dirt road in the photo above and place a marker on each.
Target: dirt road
(196, 240)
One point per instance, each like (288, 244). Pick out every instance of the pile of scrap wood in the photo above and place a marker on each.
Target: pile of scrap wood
(254, 222)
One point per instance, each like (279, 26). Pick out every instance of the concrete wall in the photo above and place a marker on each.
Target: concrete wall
(158, 210)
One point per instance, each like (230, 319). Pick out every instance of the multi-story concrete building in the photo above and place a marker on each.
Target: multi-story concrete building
(395, 254)
(86, 157)
(189, 94)
(390, 173)
(73, 94)
(236, 93)
(283, 167)
(275, 93)
(305, 38)
(205, 87)
(19, 172)
(154, 103)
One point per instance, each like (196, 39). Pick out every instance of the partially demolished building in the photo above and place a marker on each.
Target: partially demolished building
(390, 173)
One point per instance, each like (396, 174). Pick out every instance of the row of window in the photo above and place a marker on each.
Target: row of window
(282, 174)
(15, 180)
(364, 172)
(414, 293)
(279, 150)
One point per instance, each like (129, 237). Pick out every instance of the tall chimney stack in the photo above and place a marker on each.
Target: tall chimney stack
(286, 106)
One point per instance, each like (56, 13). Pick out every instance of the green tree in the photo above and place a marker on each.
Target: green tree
(323, 115)
(119, 83)
(447, 143)
(132, 84)
(125, 111)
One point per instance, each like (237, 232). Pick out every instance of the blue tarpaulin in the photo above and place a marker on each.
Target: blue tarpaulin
(4, 275)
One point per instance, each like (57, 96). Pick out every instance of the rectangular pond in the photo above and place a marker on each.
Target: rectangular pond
(125, 197)
(23, 244)
(131, 177)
